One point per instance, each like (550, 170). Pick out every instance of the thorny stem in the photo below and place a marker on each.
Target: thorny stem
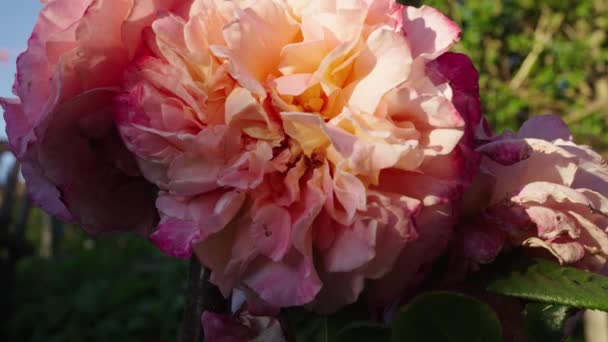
(201, 296)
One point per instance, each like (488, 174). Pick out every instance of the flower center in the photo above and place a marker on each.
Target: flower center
(313, 100)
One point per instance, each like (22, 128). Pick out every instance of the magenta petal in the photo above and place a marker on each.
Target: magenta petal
(223, 328)
(507, 152)
(545, 127)
(175, 237)
(463, 77)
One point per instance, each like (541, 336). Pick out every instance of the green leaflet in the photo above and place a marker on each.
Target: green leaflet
(546, 281)
(546, 322)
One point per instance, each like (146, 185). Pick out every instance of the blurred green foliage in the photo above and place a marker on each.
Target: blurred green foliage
(117, 288)
(538, 57)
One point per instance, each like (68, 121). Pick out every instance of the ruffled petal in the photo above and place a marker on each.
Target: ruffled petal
(293, 281)
(429, 32)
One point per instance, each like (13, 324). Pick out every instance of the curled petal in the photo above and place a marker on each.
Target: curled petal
(386, 64)
(552, 223)
(566, 252)
(429, 32)
(544, 192)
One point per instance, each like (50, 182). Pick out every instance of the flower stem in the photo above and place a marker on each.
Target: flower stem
(201, 296)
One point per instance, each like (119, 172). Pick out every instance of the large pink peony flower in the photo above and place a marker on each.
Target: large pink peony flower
(541, 190)
(301, 147)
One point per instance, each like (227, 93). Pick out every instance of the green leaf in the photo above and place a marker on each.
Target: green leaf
(363, 332)
(446, 316)
(546, 281)
(545, 322)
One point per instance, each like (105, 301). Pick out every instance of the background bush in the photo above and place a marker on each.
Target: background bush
(117, 288)
(537, 57)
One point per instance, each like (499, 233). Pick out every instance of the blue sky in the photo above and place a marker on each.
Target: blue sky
(16, 23)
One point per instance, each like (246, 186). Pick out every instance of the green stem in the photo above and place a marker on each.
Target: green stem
(201, 296)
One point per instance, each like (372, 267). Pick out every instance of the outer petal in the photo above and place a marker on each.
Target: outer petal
(545, 127)
(353, 247)
(271, 231)
(293, 281)
(186, 221)
(69, 148)
(552, 223)
(429, 32)
(463, 78)
(543, 192)
(175, 237)
(413, 264)
(64, 127)
(532, 160)
(566, 252)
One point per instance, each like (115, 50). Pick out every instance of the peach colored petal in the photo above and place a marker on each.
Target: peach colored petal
(261, 31)
(429, 32)
(334, 69)
(141, 15)
(243, 111)
(342, 23)
(306, 129)
(303, 57)
(385, 63)
(292, 84)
